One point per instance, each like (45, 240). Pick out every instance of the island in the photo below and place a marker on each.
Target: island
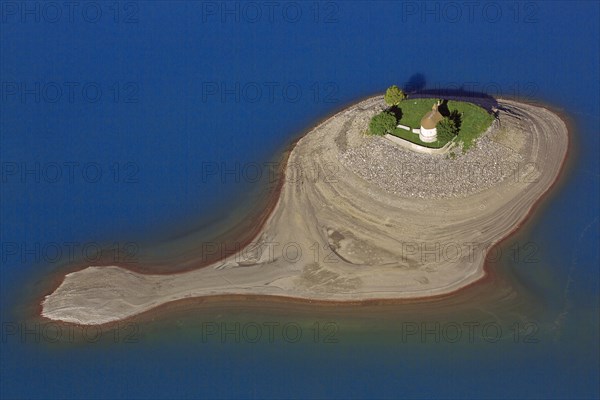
(362, 216)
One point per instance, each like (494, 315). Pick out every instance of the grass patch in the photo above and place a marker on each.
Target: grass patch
(475, 120)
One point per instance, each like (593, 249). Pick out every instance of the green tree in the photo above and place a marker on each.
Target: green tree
(446, 129)
(394, 95)
(382, 123)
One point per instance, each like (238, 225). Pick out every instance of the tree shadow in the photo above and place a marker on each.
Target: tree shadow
(416, 87)
(453, 115)
(396, 111)
(416, 83)
(456, 117)
(482, 99)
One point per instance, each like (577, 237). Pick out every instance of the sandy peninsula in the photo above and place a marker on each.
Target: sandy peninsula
(352, 222)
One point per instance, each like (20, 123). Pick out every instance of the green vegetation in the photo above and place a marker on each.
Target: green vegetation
(394, 95)
(382, 123)
(463, 121)
(447, 129)
(471, 121)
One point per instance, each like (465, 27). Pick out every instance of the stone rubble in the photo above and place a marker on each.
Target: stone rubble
(415, 175)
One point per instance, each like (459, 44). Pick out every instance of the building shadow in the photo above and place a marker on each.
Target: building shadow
(454, 115)
(443, 108)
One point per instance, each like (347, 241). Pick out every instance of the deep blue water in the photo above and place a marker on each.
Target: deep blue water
(185, 86)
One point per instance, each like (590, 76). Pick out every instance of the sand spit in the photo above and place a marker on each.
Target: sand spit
(340, 234)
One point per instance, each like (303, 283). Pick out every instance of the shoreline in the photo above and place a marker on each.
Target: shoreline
(57, 278)
(293, 299)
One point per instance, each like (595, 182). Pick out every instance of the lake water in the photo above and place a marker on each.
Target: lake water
(130, 125)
